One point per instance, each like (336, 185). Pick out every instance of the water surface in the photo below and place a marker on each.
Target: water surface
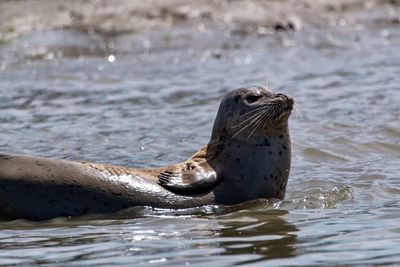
(134, 103)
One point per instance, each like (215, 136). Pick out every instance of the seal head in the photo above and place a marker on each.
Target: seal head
(253, 110)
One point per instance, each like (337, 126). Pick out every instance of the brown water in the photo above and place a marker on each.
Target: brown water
(133, 98)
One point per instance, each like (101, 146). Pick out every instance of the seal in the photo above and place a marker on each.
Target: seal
(248, 157)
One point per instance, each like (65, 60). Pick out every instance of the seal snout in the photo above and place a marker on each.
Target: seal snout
(288, 102)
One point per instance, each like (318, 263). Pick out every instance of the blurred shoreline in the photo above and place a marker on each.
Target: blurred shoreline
(113, 18)
(81, 28)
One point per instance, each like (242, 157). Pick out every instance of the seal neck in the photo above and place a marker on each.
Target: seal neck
(223, 136)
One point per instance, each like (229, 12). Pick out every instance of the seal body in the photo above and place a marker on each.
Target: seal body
(248, 157)
(40, 188)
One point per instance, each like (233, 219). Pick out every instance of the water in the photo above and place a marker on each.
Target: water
(64, 94)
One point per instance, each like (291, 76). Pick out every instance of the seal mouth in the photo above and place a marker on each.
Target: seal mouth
(281, 105)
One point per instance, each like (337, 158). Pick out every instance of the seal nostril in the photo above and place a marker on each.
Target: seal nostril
(286, 98)
(282, 96)
(252, 98)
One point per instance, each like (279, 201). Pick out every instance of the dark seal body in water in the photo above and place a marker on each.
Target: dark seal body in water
(248, 157)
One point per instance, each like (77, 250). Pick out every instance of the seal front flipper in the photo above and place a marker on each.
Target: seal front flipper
(189, 178)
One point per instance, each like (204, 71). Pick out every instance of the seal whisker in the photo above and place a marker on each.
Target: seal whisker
(249, 124)
(296, 110)
(254, 110)
(260, 121)
(265, 111)
(254, 121)
(267, 106)
(250, 118)
(247, 85)
(258, 111)
(270, 114)
(265, 118)
(250, 86)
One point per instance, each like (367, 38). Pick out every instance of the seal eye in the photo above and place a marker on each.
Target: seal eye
(252, 98)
